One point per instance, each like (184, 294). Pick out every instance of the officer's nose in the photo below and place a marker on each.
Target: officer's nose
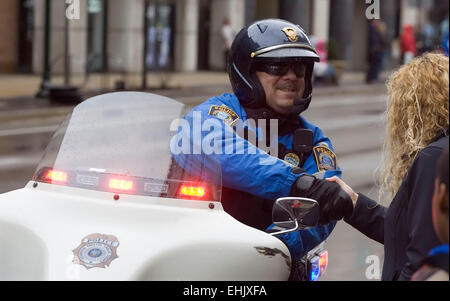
(290, 75)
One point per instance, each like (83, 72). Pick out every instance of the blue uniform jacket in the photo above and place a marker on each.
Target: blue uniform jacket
(253, 171)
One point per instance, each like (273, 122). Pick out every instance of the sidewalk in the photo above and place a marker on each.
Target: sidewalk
(17, 101)
(17, 85)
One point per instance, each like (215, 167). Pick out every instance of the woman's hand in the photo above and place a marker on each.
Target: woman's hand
(346, 188)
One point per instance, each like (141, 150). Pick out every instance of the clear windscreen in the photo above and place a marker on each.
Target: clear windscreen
(120, 142)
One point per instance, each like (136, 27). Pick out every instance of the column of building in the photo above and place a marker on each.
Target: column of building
(125, 35)
(321, 19)
(8, 43)
(298, 12)
(341, 14)
(359, 37)
(409, 13)
(186, 36)
(78, 40)
(77, 37)
(221, 9)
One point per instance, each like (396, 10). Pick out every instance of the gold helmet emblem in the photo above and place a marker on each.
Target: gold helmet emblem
(290, 33)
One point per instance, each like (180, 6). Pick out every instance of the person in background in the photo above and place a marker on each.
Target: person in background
(417, 133)
(227, 34)
(444, 28)
(376, 48)
(408, 44)
(435, 266)
(445, 45)
(428, 38)
(323, 71)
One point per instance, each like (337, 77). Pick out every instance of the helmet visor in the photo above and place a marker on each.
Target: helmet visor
(281, 68)
(289, 53)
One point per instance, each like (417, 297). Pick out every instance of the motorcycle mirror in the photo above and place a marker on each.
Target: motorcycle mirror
(294, 213)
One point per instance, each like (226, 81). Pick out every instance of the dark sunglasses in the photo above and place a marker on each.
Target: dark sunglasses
(279, 69)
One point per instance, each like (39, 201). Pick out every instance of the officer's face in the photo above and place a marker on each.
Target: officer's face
(281, 90)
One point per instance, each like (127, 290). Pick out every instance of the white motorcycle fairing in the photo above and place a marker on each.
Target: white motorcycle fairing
(158, 239)
(108, 202)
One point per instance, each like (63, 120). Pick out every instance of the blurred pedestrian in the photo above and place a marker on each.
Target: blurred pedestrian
(323, 71)
(435, 266)
(408, 44)
(445, 45)
(444, 27)
(376, 47)
(428, 38)
(227, 34)
(444, 35)
(417, 133)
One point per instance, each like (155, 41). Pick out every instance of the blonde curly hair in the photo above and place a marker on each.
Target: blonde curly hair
(417, 111)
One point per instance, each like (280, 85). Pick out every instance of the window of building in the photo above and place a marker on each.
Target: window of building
(160, 35)
(96, 35)
(26, 33)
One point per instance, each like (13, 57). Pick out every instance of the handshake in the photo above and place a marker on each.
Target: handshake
(335, 203)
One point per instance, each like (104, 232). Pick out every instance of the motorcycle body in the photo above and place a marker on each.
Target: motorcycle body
(109, 202)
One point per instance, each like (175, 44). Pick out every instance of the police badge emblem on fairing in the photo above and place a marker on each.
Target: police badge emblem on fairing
(96, 250)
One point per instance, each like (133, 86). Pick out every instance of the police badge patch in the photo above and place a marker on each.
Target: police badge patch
(325, 158)
(225, 113)
(96, 250)
(292, 159)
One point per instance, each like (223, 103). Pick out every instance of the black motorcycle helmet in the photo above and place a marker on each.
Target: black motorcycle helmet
(270, 40)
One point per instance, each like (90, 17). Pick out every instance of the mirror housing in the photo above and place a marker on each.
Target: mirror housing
(293, 213)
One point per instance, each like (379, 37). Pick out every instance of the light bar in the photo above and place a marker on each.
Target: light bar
(314, 268)
(121, 184)
(56, 176)
(193, 191)
(323, 262)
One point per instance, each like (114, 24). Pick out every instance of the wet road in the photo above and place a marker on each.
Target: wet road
(355, 125)
(353, 122)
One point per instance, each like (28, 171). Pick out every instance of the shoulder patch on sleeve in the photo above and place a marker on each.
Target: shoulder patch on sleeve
(325, 158)
(324, 144)
(225, 113)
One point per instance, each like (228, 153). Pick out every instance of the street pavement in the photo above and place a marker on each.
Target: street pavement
(351, 115)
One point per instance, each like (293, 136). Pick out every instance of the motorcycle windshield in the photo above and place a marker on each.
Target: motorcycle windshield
(121, 143)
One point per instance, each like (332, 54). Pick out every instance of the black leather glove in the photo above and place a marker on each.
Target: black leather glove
(334, 202)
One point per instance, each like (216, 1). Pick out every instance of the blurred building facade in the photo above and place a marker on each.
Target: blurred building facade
(185, 35)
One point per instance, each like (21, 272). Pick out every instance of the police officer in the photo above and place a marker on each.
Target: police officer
(270, 69)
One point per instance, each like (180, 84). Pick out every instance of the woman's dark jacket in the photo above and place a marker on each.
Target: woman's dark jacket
(406, 227)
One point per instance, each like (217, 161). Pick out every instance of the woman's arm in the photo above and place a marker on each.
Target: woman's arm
(368, 216)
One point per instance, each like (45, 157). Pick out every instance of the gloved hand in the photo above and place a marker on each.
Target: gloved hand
(334, 202)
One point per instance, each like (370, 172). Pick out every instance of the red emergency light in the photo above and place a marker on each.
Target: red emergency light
(54, 176)
(121, 184)
(323, 262)
(193, 191)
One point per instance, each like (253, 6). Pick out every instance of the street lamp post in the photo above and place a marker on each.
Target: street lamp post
(66, 52)
(144, 63)
(44, 88)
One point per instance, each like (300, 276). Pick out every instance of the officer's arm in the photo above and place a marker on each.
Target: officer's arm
(301, 242)
(244, 166)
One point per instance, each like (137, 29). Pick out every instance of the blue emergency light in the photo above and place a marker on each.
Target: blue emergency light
(314, 268)
(317, 265)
